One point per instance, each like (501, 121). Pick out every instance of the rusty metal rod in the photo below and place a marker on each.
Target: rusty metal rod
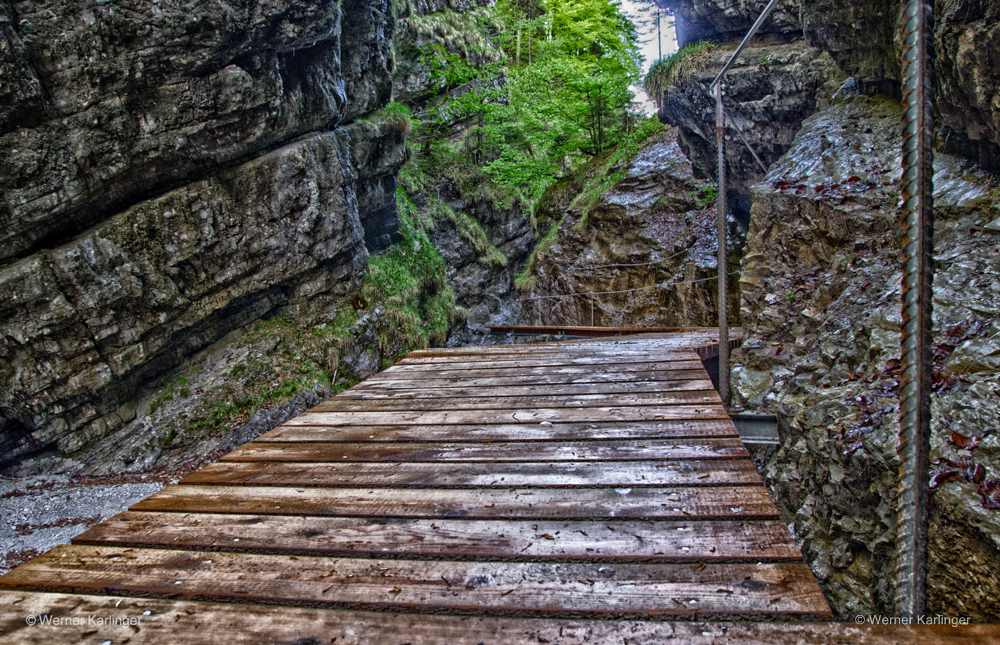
(746, 41)
(720, 133)
(916, 343)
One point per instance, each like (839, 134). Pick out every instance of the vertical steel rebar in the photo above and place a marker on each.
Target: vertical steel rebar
(915, 381)
(720, 134)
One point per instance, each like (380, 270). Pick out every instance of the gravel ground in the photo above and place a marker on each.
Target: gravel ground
(40, 512)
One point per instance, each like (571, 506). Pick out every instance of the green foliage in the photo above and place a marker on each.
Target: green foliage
(409, 281)
(677, 68)
(394, 116)
(581, 190)
(707, 195)
(525, 280)
(562, 97)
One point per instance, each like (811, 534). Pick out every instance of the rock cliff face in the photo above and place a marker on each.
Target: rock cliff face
(483, 240)
(724, 20)
(820, 291)
(821, 303)
(655, 225)
(169, 173)
(768, 92)
(483, 282)
(966, 70)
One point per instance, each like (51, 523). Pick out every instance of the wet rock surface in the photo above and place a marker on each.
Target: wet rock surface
(483, 287)
(768, 93)
(655, 226)
(821, 302)
(966, 66)
(179, 172)
(722, 20)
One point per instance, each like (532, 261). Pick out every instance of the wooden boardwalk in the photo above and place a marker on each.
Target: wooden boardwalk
(585, 491)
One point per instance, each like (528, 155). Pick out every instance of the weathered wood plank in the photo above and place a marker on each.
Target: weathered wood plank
(655, 450)
(444, 372)
(499, 588)
(585, 377)
(571, 474)
(460, 390)
(164, 622)
(376, 404)
(609, 541)
(504, 432)
(592, 356)
(722, 502)
(512, 415)
(418, 365)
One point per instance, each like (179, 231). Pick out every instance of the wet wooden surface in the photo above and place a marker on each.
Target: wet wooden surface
(180, 622)
(588, 490)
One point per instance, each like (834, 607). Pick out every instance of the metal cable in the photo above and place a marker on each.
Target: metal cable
(641, 264)
(915, 381)
(606, 293)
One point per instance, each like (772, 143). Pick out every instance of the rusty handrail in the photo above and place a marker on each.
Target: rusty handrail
(723, 232)
(917, 341)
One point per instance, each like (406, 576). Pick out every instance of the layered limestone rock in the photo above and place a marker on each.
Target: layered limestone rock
(170, 173)
(656, 225)
(966, 74)
(482, 278)
(768, 93)
(722, 20)
(821, 306)
(452, 25)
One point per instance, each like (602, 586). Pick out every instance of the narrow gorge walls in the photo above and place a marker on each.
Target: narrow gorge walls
(169, 173)
(820, 277)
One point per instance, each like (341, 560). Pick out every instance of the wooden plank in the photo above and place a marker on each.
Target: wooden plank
(375, 404)
(505, 432)
(655, 450)
(722, 502)
(499, 588)
(539, 415)
(418, 365)
(553, 347)
(584, 377)
(566, 474)
(460, 390)
(529, 372)
(589, 356)
(154, 621)
(643, 343)
(507, 541)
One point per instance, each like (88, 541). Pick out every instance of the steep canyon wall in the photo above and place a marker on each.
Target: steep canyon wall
(170, 172)
(820, 279)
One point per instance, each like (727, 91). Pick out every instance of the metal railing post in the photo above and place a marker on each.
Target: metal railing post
(916, 343)
(720, 134)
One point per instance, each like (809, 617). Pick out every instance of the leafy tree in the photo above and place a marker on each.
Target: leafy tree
(561, 97)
